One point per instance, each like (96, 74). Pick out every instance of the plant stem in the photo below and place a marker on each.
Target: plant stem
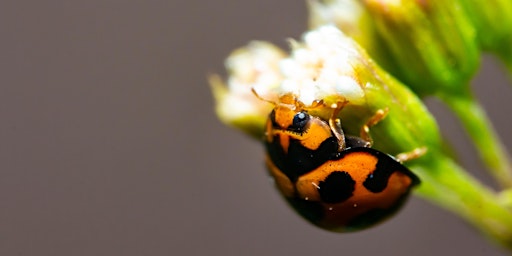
(448, 185)
(480, 130)
(506, 198)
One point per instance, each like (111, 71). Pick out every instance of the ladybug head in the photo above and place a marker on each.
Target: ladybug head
(289, 113)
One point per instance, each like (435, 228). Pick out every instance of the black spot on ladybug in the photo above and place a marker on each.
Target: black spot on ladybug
(300, 160)
(337, 187)
(377, 181)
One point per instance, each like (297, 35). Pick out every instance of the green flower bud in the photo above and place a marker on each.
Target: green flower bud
(348, 15)
(493, 22)
(351, 17)
(433, 43)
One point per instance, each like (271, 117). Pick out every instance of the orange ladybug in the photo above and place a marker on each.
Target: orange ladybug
(336, 182)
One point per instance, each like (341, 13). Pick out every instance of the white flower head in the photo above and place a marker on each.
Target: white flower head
(254, 66)
(322, 67)
(345, 14)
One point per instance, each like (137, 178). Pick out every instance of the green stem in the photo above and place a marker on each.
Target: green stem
(506, 198)
(448, 185)
(483, 135)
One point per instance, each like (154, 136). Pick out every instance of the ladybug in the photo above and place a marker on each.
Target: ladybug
(336, 182)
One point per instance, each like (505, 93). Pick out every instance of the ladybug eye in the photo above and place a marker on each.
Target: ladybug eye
(300, 120)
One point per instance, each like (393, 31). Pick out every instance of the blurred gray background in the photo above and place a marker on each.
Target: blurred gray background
(109, 144)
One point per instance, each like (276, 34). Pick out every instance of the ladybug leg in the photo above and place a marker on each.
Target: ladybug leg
(375, 119)
(335, 124)
(407, 156)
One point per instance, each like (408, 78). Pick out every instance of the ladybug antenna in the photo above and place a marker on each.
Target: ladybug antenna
(261, 98)
(288, 99)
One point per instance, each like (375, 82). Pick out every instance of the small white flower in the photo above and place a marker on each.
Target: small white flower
(323, 67)
(254, 66)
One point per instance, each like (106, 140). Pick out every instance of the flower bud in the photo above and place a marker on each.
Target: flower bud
(493, 22)
(433, 43)
(348, 15)
(351, 17)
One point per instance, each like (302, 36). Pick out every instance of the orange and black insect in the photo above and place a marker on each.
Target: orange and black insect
(336, 182)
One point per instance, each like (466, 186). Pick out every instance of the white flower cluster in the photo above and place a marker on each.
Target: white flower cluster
(322, 67)
(255, 66)
(345, 14)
